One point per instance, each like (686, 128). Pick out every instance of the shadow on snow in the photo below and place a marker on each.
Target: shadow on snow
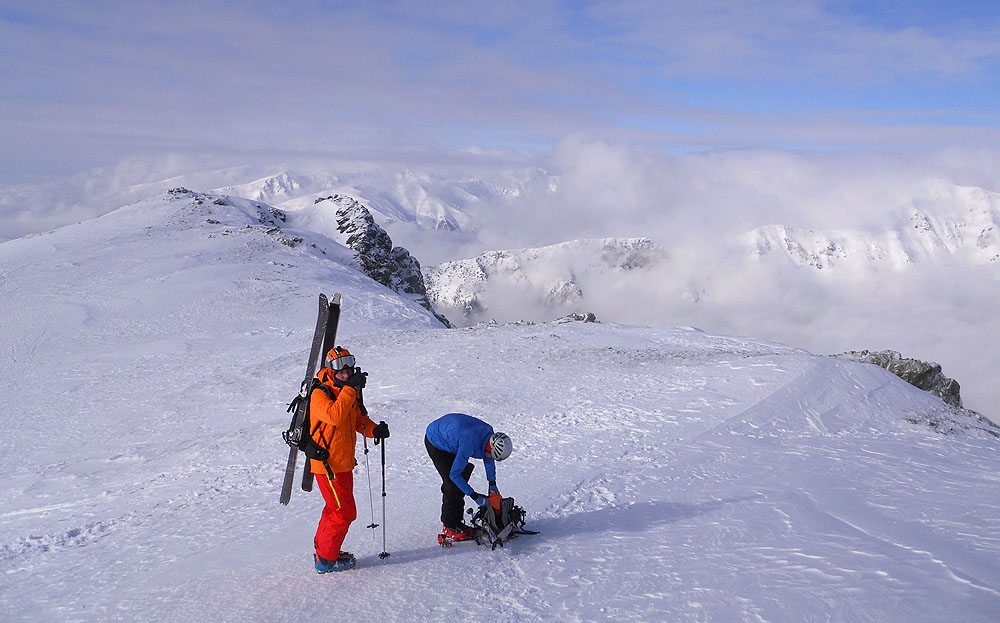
(634, 517)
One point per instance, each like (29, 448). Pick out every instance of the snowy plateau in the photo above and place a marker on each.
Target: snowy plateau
(673, 475)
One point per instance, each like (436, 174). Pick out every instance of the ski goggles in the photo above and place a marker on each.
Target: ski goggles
(339, 363)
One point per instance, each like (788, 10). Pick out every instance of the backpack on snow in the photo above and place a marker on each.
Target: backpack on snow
(496, 527)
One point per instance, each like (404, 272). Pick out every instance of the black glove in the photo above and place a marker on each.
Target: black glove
(357, 380)
(381, 431)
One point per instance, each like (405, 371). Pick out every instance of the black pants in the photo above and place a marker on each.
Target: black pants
(452, 498)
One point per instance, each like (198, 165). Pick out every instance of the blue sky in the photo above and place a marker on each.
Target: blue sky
(88, 84)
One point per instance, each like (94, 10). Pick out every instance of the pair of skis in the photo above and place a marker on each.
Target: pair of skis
(324, 338)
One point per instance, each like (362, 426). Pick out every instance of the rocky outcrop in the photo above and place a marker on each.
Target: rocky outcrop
(391, 266)
(920, 374)
(233, 214)
(581, 317)
(928, 377)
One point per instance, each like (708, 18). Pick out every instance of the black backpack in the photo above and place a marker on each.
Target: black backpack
(497, 527)
(301, 436)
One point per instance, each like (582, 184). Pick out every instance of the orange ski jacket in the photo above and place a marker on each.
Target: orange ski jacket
(335, 424)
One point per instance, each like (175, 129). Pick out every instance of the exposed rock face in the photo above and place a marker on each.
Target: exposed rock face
(564, 292)
(391, 266)
(371, 244)
(587, 317)
(920, 374)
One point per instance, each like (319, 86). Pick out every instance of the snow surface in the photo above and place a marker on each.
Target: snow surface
(674, 475)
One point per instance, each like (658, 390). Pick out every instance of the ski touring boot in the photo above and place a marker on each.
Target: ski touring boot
(451, 535)
(343, 563)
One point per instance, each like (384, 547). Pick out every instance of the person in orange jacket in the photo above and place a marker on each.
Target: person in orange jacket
(337, 414)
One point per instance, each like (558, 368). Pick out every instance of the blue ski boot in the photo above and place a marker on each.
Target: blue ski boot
(341, 564)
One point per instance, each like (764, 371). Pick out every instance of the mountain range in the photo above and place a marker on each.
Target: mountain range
(672, 473)
(921, 278)
(967, 231)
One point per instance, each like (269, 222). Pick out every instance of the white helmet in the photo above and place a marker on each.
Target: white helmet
(499, 446)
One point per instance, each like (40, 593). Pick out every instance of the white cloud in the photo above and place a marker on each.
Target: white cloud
(88, 86)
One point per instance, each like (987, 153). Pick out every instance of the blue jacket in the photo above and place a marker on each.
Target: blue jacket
(466, 437)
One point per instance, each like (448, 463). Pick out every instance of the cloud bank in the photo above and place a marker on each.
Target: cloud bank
(89, 85)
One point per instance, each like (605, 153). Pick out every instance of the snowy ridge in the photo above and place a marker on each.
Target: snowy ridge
(552, 278)
(925, 236)
(448, 204)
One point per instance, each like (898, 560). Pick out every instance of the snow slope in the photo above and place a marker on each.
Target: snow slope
(674, 475)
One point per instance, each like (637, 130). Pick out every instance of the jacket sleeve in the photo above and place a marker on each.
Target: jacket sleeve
(366, 426)
(461, 460)
(333, 412)
(491, 469)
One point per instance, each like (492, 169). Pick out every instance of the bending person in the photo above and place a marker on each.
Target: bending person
(451, 440)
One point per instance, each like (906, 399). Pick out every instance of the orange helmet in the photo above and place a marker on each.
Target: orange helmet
(339, 358)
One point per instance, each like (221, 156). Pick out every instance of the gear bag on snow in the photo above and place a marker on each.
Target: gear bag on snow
(497, 527)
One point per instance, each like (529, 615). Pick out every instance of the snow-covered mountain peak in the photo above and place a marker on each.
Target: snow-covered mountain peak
(824, 250)
(184, 249)
(404, 195)
(552, 278)
(280, 187)
(924, 236)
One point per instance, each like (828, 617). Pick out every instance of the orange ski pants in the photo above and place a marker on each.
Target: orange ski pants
(338, 514)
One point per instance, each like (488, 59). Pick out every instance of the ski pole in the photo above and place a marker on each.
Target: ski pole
(384, 553)
(371, 503)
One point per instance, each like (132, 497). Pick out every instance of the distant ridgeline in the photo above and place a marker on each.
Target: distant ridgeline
(390, 266)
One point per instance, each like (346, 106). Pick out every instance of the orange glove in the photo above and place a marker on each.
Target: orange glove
(495, 501)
